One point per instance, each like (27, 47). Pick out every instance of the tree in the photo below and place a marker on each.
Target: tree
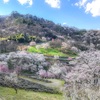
(56, 43)
(8, 46)
(9, 78)
(83, 81)
(32, 43)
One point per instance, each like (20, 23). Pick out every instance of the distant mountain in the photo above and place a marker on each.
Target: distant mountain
(16, 23)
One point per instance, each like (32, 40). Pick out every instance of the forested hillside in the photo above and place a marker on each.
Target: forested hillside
(26, 28)
(51, 59)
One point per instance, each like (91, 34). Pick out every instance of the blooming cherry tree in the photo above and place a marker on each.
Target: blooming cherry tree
(83, 81)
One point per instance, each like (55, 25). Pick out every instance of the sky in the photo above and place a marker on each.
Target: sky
(83, 14)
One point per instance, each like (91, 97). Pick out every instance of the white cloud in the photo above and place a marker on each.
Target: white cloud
(6, 1)
(64, 23)
(92, 7)
(81, 3)
(22, 2)
(53, 3)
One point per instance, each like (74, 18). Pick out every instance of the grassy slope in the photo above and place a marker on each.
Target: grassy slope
(9, 94)
(50, 52)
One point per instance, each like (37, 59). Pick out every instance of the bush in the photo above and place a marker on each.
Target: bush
(8, 46)
(38, 40)
(74, 49)
(65, 45)
(32, 43)
(56, 43)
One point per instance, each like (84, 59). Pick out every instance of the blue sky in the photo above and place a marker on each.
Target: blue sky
(83, 14)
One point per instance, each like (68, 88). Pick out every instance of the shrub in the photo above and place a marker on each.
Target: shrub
(32, 43)
(38, 40)
(56, 43)
(45, 45)
(65, 45)
(8, 46)
(43, 39)
(74, 49)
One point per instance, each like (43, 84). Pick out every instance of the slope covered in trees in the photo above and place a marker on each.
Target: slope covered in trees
(58, 44)
(26, 28)
(17, 23)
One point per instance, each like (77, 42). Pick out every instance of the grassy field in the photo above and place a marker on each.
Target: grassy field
(9, 94)
(51, 52)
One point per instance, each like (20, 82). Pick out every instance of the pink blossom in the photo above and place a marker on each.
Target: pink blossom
(43, 73)
(3, 68)
(50, 75)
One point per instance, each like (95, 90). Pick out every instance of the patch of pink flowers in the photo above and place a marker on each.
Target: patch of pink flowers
(3, 68)
(45, 74)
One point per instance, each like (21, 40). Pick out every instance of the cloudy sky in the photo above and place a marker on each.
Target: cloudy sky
(83, 14)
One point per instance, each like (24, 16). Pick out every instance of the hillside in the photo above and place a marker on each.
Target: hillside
(28, 27)
(42, 60)
(18, 23)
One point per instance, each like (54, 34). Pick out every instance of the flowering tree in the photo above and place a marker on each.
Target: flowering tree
(83, 81)
(32, 43)
(43, 73)
(43, 39)
(56, 43)
(43, 45)
(11, 80)
(3, 67)
(65, 45)
(10, 77)
(74, 49)
(46, 74)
